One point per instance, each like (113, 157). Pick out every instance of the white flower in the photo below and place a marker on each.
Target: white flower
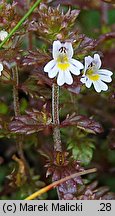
(93, 74)
(3, 34)
(1, 69)
(63, 64)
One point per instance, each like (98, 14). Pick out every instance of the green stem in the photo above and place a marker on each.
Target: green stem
(20, 22)
(55, 116)
(30, 35)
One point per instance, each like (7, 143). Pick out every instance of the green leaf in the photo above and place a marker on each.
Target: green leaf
(83, 153)
(3, 108)
(23, 106)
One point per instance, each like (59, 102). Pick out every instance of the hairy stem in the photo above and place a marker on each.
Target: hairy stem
(104, 13)
(55, 119)
(15, 91)
(19, 140)
(55, 116)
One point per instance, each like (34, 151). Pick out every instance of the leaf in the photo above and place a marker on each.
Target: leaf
(31, 87)
(82, 152)
(83, 122)
(33, 122)
(23, 105)
(4, 130)
(35, 58)
(49, 22)
(19, 176)
(3, 108)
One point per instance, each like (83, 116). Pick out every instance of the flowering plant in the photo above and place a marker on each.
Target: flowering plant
(50, 123)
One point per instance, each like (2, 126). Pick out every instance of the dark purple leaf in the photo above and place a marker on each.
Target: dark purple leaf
(82, 122)
(33, 122)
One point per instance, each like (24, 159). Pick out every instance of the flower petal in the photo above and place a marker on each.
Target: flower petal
(97, 61)
(69, 49)
(76, 63)
(97, 86)
(56, 46)
(49, 66)
(61, 78)
(3, 34)
(104, 86)
(1, 67)
(83, 79)
(74, 70)
(53, 72)
(88, 61)
(104, 78)
(68, 77)
(105, 72)
(88, 83)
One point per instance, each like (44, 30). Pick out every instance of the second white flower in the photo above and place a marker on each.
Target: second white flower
(94, 75)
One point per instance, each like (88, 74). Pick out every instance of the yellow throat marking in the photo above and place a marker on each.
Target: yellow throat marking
(62, 62)
(92, 76)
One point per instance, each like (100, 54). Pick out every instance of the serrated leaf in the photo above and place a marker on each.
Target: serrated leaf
(83, 122)
(33, 122)
(83, 154)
